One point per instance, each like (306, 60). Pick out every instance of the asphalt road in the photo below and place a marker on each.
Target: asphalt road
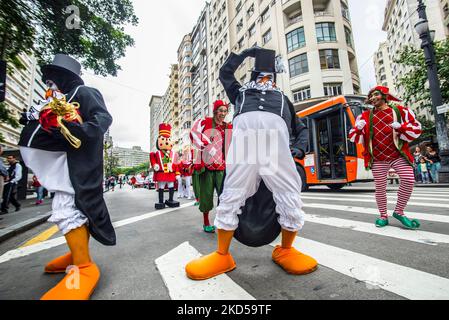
(357, 260)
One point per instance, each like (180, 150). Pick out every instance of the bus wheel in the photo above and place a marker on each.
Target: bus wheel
(303, 176)
(336, 186)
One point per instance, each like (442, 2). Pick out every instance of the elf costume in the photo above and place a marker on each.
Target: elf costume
(386, 133)
(186, 168)
(266, 134)
(211, 141)
(165, 168)
(62, 143)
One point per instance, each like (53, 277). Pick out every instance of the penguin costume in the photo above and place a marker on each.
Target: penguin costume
(261, 196)
(62, 143)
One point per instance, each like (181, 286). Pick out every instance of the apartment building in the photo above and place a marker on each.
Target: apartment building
(155, 119)
(23, 88)
(128, 158)
(382, 66)
(314, 38)
(445, 13)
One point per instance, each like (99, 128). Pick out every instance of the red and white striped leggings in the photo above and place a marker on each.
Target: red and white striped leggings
(407, 176)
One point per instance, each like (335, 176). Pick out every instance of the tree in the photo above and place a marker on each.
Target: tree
(90, 30)
(414, 81)
(6, 118)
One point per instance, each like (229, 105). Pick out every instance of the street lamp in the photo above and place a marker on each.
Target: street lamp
(427, 37)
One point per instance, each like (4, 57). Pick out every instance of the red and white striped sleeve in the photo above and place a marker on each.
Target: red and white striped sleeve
(356, 135)
(197, 136)
(411, 128)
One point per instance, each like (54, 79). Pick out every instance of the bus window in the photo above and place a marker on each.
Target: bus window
(311, 144)
(352, 149)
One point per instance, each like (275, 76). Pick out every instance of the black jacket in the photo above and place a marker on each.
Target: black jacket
(269, 101)
(86, 163)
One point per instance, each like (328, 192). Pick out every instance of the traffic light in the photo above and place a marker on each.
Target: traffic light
(2, 80)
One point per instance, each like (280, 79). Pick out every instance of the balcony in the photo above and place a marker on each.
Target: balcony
(292, 21)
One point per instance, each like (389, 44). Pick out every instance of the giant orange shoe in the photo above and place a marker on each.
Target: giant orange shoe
(60, 264)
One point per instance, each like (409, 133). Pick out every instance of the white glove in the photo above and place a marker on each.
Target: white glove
(212, 151)
(360, 124)
(156, 167)
(396, 125)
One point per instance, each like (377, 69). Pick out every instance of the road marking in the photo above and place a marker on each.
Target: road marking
(419, 204)
(375, 212)
(42, 246)
(423, 237)
(377, 274)
(172, 269)
(47, 234)
(389, 196)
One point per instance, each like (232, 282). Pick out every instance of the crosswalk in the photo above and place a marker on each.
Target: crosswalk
(405, 281)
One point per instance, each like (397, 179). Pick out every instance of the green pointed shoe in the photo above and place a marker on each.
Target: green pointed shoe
(209, 229)
(197, 204)
(406, 222)
(382, 223)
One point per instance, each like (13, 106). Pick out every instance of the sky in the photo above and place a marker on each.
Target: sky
(145, 68)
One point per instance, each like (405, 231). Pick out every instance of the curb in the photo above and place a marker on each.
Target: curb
(11, 231)
(440, 185)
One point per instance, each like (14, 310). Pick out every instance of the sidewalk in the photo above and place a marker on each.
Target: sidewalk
(27, 218)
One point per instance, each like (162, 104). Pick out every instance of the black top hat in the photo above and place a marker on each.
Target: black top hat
(265, 61)
(64, 63)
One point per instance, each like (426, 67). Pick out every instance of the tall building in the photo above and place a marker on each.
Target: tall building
(400, 19)
(23, 88)
(173, 93)
(200, 67)
(445, 14)
(128, 158)
(382, 64)
(185, 88)
(314, 37)
(155, 119)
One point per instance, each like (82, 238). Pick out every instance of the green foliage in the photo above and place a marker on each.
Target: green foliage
(132, 171)
(6, 117)
(414, 82)
(46, 27)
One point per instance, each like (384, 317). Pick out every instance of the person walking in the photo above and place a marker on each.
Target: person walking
(385, 133)
(434, 159)
(10, 189)
(3, 173)
(39, 191)
(424, 171)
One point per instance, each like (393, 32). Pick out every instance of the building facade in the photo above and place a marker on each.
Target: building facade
(23, 88)
(382, 67)
(445, 14)
(155, 119)
(185, 89)
(128, 158)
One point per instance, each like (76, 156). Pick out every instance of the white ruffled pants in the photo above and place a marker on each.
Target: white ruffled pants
(52, 171)
(260, 149)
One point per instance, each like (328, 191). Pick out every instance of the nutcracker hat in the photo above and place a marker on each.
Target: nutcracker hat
(220, 103)
(265, 61)
(165, 130)
(66, 64)
(385, 91)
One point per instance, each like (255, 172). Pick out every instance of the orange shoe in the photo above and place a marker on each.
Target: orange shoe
(60, 264)
(76, 285)
(293, 261)
(210, 266)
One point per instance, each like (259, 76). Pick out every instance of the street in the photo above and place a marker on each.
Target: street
(357, 260)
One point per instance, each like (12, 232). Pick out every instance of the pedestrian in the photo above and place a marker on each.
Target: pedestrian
(133, 181)
(386, 132)
(67, 156)
(187, 172)
(3, 173)
(211, 136)
(120, 182)
(263, 111)
(10, 189)
(39, 191)
(434, 159)
(393, 177)
(112, 183)
(417, 155)
(424, 170)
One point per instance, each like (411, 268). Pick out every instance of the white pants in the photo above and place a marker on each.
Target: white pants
(187, 188)
(52, 171)
(260, 149)
(162, 185)
(181, 191)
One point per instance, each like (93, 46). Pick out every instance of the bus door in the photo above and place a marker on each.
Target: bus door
(331, 145)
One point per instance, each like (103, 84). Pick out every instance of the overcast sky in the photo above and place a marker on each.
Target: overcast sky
(145, 68)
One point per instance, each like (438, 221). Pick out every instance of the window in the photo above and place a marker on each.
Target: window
(325, 32)
(240, 43)
(265, 15)
(296, 39)
(298, 65)
(250, 10)
(332, 89)
(329, 59)
(240, 25)
(266, 37)
(302, 94)
(349, 40)
(252, 30)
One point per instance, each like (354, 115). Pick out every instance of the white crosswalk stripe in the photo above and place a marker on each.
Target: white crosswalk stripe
(390, 197)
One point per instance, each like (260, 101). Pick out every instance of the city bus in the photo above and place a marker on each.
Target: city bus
(332, 159)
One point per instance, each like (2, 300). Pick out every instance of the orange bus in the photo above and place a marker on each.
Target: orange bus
(332, 159)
